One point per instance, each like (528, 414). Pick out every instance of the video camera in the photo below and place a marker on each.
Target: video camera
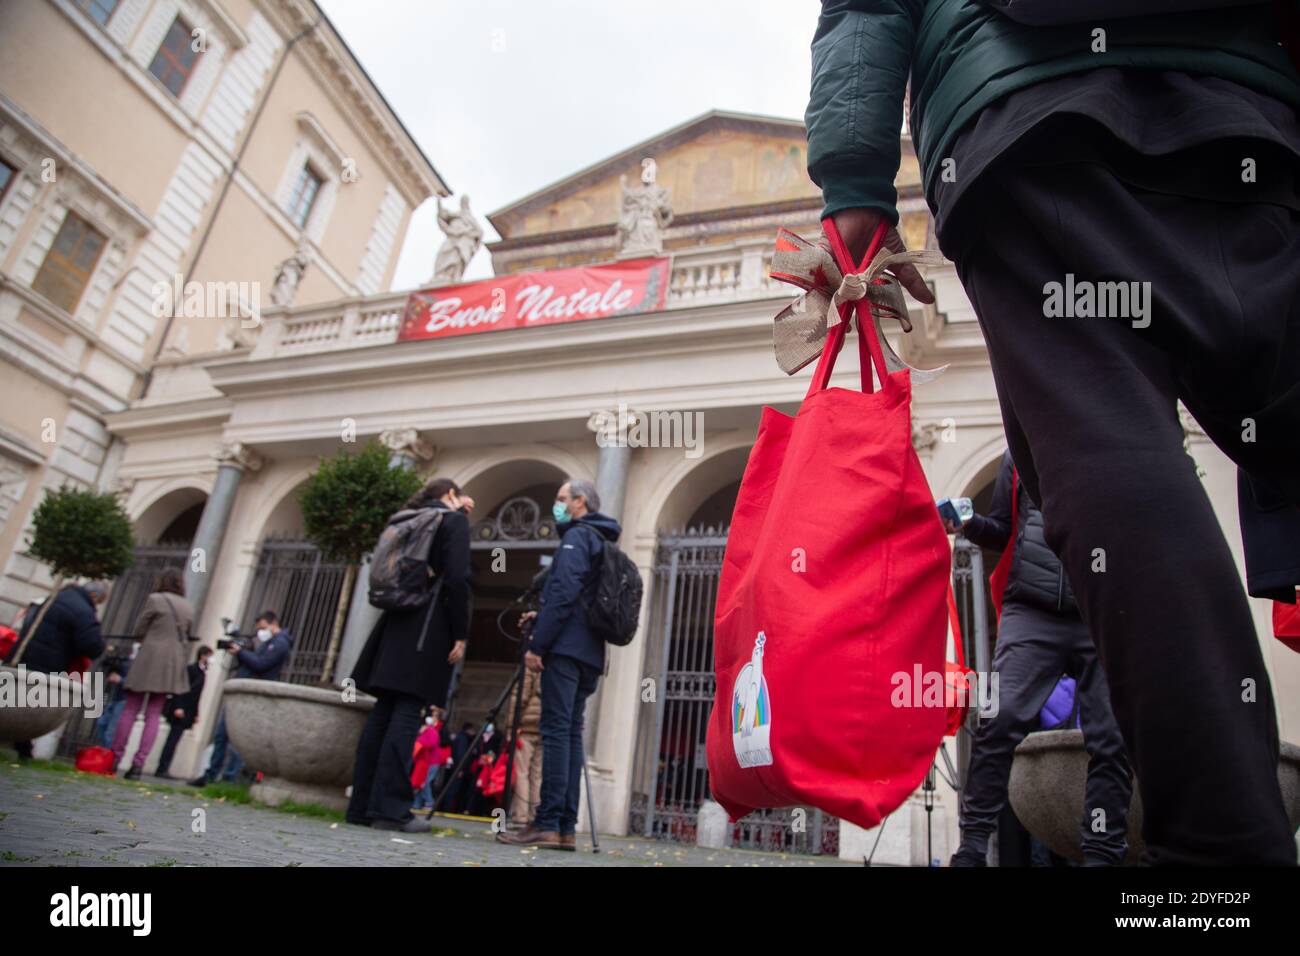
(233, 638)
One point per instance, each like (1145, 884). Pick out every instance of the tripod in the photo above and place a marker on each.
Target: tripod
(516, 688)
(927, 796)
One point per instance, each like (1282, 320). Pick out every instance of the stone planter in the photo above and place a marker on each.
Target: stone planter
(302, 739)
(29, 723)
(1047, 779)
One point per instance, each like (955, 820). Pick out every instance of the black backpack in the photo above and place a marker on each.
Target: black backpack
(615, 603)
(400, 576)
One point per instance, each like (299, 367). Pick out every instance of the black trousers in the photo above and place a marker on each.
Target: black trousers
(174, 734)
(381, 779)
(1035, 647)
(1089, 410)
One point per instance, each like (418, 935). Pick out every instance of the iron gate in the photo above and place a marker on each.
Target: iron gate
(294, 580)
(671, 775)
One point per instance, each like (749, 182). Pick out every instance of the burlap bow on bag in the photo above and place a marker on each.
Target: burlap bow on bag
(799, 330)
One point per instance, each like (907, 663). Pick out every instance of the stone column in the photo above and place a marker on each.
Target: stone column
(613, 459)
(407, 449)
(233, 458)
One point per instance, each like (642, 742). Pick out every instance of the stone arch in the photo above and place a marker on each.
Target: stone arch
(980, 467)
(168, 502)
(680, 493)
(277, 508)
(506, 471)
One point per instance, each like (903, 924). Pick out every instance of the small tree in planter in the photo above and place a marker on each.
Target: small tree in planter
(345, 504)
(78, 533)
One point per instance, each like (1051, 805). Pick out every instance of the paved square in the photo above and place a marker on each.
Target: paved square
(66, 818)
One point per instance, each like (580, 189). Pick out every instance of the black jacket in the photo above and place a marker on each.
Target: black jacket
(406, 655)
(1270, 536)
(187, 702)
(70, 630)
(561, 624)
(1037, 577)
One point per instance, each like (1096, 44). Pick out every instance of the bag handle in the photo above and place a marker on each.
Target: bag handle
(955, 621)
(868, 342)
(176, 619)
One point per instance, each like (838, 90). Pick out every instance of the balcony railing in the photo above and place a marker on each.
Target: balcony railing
(707, 277)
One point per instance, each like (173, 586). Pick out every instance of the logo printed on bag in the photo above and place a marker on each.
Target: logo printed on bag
(751, 712)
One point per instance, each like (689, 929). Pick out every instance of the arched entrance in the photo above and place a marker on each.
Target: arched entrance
(297, 582)
(512, 538)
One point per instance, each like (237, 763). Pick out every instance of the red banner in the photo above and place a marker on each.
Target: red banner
(536, 298)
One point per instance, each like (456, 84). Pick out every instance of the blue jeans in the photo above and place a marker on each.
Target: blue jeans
(220, 748)
(566, 685)
(107, 723)
(425, 797)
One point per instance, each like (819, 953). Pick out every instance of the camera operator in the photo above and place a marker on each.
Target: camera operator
(407, 664)
(261, 662)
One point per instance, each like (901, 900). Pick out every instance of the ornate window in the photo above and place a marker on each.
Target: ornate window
(174, 62)
(303, 197)
(70, 262)
(98, 10)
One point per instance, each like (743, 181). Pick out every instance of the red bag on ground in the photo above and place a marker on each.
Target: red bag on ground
(832, 602)
(95, 760)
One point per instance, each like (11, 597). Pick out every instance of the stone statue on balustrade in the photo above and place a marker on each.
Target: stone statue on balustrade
(464, 237)
(646, 213)
(289, 273)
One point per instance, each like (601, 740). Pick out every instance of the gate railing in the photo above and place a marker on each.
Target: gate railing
(670, 767)
(294, 580)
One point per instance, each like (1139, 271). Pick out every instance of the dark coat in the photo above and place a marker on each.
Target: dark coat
(266, 662)
(1270, 537)
(164, 628)
(961, 56)
(406, 652)
(561, 624)
(70, 630)
(1037, 577)
(188, 701)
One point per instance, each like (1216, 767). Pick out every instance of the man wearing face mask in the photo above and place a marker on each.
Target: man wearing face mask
(570, 659)
(263, 662)
(407, 665)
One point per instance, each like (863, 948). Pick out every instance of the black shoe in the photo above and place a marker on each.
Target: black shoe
(413, 825)
(132, 773)
(966, 856)
(163, 775)
(198, 781)
(363, 822)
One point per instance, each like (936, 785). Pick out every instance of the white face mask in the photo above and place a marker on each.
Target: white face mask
(263, 633)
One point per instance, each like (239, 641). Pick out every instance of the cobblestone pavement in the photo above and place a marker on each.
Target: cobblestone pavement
(60, 817)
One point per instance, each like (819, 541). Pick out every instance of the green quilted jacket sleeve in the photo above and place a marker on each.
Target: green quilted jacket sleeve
(861, 53)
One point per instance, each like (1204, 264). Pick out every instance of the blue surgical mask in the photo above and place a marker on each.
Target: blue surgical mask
(560, 511)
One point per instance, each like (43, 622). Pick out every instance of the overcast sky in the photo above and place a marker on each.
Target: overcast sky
(507, 96)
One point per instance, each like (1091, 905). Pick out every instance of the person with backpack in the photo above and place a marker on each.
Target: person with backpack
(419, 574)
(1040, 636)
(570, 655)
(1118, 184)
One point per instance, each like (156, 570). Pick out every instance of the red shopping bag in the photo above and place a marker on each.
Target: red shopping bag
(1286, 623)
(958, 680)
(832, 602)
(1002, 572)
(95, 760)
